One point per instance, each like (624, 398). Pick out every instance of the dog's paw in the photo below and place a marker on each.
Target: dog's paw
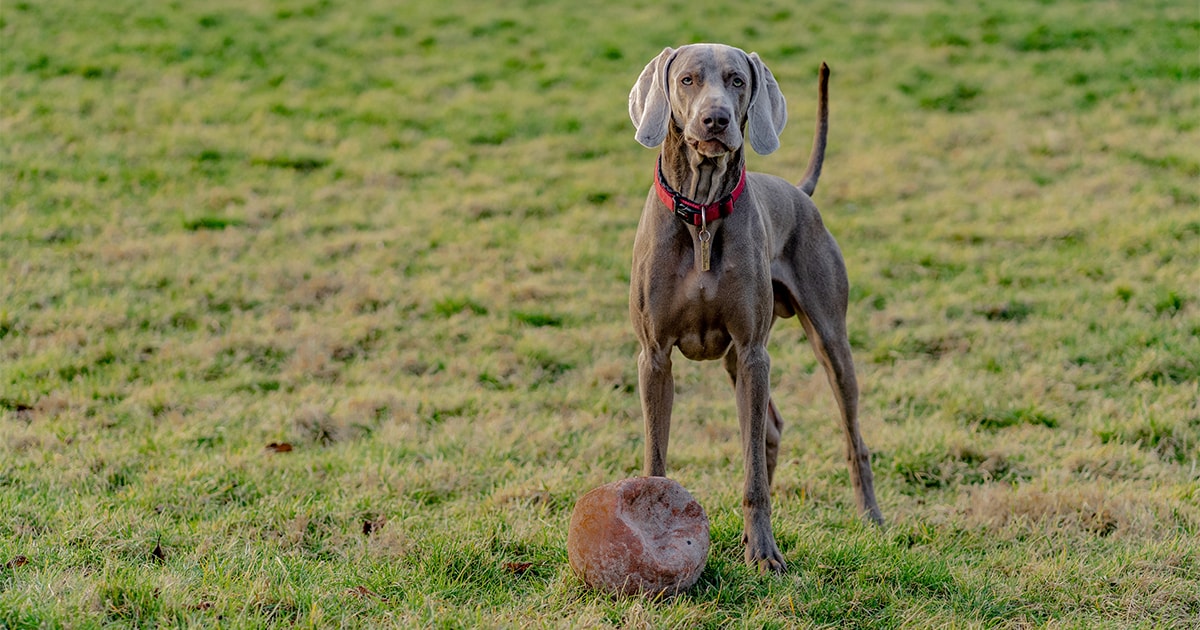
(764, 554)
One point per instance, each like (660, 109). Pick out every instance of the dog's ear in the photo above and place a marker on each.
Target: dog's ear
(649, 107)
(768, 109)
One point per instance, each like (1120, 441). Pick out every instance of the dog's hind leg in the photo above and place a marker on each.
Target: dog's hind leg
(832, 347)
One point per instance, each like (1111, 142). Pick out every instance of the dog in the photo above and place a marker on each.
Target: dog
(721, 253)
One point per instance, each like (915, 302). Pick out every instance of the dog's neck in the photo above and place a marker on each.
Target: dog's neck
(701, 179)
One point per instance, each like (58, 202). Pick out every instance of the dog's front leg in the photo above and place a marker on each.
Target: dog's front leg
(657, 387)
(753, 399)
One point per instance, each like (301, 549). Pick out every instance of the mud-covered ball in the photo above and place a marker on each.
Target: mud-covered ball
(640, 535)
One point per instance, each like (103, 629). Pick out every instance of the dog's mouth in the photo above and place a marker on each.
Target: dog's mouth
(711, 147)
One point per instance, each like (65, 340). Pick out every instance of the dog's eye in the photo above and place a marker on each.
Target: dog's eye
(738, 82)
(686, 80)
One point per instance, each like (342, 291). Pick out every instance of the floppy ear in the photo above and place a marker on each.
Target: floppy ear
(768, 109)
(648, 105)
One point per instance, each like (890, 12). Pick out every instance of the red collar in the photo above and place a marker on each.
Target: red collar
(689, 211)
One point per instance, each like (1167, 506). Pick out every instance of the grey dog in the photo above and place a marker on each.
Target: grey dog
(721, 253)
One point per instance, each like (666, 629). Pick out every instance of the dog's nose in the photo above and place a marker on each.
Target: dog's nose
(716, 121)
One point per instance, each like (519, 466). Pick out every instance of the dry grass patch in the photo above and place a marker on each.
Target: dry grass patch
(1073, 508)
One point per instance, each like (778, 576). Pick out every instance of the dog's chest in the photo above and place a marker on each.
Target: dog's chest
(705, 343)
(700, 317)
(701, 289)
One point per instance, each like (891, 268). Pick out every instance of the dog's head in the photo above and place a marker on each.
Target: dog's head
(712, 94)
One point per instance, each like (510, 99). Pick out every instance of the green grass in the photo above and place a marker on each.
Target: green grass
(396, 239)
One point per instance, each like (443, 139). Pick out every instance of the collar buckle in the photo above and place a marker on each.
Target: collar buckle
(682, 210)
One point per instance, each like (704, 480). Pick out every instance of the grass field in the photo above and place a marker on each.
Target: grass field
(314, 314)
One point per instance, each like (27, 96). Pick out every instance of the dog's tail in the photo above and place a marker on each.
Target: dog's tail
(809, 183)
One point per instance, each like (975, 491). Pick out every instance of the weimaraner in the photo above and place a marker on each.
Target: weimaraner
(721, 253)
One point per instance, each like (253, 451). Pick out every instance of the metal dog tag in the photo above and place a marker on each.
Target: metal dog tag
(705, 249)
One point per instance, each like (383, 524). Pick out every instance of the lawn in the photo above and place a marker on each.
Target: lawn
(315, 314)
